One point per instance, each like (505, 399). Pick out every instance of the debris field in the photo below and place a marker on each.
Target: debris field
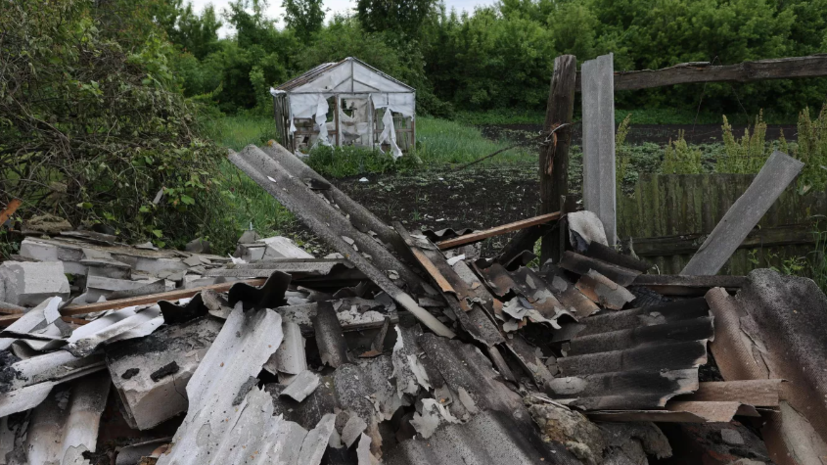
(404, 347)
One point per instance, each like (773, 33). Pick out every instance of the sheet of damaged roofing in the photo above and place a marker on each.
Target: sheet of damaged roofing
(399, 351)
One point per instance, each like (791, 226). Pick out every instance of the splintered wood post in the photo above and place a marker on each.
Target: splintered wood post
(599, 192)
(554, 153)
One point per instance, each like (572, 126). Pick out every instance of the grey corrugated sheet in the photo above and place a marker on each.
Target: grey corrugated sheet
(637, 358)
(490, 438)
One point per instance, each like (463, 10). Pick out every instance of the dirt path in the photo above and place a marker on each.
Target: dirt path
(437, 200)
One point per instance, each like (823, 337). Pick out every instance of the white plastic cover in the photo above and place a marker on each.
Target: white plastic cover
(398, 103)
(389, 134)
(310, 106)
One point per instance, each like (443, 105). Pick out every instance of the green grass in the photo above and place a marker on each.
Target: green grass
(441, 142)
(249, 204)
(501, 116)
(238, 131)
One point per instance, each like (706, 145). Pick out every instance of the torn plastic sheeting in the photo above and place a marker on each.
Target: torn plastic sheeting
(388, 134)
(244, 344)
(398, 103)
(311, 106)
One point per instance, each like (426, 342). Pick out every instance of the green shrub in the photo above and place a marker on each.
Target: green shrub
(746, 155)
(680, 158)
(93, 132)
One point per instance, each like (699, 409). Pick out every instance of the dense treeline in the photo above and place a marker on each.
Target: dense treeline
(502, 56)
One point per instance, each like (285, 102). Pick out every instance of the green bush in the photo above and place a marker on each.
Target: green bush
(93, 131)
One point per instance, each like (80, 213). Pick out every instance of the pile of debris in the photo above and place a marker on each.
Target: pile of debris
(403, 348)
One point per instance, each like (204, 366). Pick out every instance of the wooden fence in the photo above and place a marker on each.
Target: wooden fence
(669, 216)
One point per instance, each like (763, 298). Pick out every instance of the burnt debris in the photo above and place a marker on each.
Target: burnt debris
(409, 348)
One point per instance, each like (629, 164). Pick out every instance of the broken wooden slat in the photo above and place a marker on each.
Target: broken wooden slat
(777, 173)
(758, 393)
(681, 412)
(599, 142)
(497, 231)
(139, 300)
(677, 285)
(7, 212)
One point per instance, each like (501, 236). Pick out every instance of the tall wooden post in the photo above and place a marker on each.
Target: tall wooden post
(554, 154)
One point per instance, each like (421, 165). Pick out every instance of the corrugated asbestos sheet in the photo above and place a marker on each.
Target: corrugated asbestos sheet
(637, 358)
(489, 438)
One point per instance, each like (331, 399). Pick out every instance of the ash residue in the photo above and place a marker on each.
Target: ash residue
(7, 372)
(166, 370)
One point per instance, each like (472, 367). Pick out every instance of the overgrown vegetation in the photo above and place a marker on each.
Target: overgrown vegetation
(501, 56)
(96, 130)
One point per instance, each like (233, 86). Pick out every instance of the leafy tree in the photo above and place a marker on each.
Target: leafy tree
(305, 17)
(398, 16)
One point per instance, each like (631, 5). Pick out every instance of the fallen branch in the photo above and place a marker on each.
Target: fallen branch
(497, 231)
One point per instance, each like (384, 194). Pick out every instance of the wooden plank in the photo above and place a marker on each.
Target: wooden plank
(777, 173)
(794, 234)
(748, 71)
(554, 154)
(497, 231)
(7, 212)
(758, 393)
(599, 192)
(138, 300)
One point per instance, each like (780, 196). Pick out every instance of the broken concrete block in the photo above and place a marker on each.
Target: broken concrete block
(248, 237)
(49, 224)
(147, 401)
(101, 286)
(572, 429)
(282, 247)
(29, 283)
(198, 246)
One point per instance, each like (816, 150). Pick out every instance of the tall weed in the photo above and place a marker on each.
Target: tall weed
(748, 154)
(812, 148)
(680, 158)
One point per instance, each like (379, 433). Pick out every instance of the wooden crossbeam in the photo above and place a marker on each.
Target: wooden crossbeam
(497, 231)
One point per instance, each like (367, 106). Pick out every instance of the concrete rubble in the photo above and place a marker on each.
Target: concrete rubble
(397, 351)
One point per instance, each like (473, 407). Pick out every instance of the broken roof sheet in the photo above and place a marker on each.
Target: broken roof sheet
(637, 358)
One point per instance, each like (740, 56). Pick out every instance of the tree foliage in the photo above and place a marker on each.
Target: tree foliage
(305, 17)
(94, 131)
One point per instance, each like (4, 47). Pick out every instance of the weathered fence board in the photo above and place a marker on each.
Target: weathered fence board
(748, 71)
(670, 216)
(599, 142)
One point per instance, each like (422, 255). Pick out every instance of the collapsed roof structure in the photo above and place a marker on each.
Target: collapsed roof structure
(402, 348)
(345, 103)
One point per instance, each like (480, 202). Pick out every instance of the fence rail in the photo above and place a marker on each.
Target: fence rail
(748, 71)
(669, 216)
